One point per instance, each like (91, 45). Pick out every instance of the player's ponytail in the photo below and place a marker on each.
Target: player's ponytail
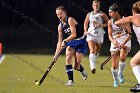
(136, 7)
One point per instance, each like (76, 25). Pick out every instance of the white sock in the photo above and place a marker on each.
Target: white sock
(136, 71)
(92, 61)
(121, 68)
(115, 74)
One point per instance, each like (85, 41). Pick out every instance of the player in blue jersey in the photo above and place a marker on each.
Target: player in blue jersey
(70, 35)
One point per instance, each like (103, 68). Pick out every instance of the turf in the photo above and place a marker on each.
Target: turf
(19, 72)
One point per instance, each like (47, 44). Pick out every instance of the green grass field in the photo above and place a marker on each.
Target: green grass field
(19, 72)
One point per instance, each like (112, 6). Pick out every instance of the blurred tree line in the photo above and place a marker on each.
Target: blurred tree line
(31, 25)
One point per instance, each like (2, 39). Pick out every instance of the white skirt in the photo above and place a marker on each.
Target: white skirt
(120, 40)
(96, 35)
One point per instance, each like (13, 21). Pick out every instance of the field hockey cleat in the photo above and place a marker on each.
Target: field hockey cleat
(93, 71)
(116, 83)
(121, 79)
(84, 75)
(136, 88)
(70, 83)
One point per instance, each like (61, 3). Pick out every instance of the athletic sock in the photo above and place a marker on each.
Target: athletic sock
(136, 71)
(92, 61)
(69, 71)
(81, 68)
(115, 74)
(121, 68)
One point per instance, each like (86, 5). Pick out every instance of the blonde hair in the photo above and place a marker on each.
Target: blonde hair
(96, 1)
(61, 8)
(136, 7)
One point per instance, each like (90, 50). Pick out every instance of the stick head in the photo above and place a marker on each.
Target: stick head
(37, 82)
(101, 67)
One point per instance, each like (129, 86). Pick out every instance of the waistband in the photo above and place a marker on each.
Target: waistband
(80, 38)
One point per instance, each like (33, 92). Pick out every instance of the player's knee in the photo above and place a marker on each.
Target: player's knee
(67, 54)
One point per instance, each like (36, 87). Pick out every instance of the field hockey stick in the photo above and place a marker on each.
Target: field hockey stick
(107, 60)
(48, 70)
(91, 30)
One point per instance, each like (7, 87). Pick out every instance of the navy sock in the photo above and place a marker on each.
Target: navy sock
(69, 71)
(81, 68)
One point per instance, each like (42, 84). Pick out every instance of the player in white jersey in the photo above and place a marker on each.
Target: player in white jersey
(135, 61)
(122, 44)
(93, 27)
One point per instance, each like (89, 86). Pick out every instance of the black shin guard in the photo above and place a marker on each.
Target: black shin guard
(69, 71)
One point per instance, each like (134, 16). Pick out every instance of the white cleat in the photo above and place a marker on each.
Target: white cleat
(84, 75)
(70, 83)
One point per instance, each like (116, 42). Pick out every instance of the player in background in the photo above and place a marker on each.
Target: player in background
(2, 57)
(135, 61)
(71, 36)
(121, 44)
(93, 27)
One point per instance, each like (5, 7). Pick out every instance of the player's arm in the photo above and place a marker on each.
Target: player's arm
(110, 30)
(124, 21)
(106, 19)
(59, 43)
(72, 22)
(129, 33)
(86, 23)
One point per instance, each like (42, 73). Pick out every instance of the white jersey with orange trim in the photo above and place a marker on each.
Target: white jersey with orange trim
(117, 31)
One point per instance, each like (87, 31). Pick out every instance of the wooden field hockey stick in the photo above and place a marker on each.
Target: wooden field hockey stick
(48, 70)
(107, 60)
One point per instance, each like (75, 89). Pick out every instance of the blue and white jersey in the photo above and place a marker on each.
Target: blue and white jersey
(67, 32)
(79, 44)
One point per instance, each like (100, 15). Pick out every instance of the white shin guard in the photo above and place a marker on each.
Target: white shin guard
(92, 61)
(136, 71)
(121, 68)
(115, 74)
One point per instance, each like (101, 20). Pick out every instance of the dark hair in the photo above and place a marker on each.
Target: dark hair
(61, 8)
(117, 8)
(136, 7)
